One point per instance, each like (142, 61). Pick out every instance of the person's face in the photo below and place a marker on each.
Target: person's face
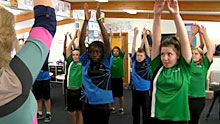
(140, 57)
(75, 55)
(169, 56)
(116, 52)
(196, 56)
(95, 53)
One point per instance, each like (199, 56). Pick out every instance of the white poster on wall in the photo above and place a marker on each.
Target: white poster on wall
(25, 4)
(94, 31)
(79, 14)
(62, 8)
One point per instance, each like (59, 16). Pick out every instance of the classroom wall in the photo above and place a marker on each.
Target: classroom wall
(167, 27)
(56, 51)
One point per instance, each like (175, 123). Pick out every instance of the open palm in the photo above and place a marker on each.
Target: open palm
(173, 6)
(87, 12)
(158, 6)
(202, 29)
(98, 11)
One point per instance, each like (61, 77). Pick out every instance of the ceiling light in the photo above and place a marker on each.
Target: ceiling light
(102, 0)
(130, 11)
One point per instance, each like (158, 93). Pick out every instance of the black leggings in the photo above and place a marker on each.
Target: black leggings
(196, 105)
(140, 100)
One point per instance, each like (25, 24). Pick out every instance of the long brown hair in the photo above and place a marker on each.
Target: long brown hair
(201, 54)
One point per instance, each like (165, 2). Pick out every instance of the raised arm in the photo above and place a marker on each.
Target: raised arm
(202, 41)
(82, 37)
(184, 40)
(39, 40)
(209, 45)
(122, 42)
(72, 43)
(43, 2)
(134, 40)
(64, 44)
(103, 31)
(158, 8)
(195, 30)
(111, 37)
(147, 48)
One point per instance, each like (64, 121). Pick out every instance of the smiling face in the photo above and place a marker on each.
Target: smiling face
(169, 56)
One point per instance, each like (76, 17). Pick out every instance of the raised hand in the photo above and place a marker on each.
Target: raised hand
(111, 34)
(144, 32)
(158, 7)
(173, 7)
(66, 34)
(98, 11)
(87, 12)
(77, 33)
(136, 31)
(195, 29)
(202, 29)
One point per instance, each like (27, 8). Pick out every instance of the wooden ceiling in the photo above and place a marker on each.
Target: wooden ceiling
(201, 7)
(198, 10)
(194, 7)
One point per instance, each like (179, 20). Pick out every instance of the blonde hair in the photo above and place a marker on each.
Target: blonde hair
(7, 36)
(201, 54)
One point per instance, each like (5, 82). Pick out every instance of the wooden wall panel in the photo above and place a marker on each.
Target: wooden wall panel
(24, 17)
(148, 5)
(193, 17)
(62, 22)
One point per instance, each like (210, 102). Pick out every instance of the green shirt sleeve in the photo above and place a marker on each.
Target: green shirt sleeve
(207, 63)
(156, 63)
(68, 61)
(122, 54)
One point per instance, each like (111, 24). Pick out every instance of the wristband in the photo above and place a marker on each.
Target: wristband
(99, 19)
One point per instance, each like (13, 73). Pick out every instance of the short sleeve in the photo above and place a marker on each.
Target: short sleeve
(155, 65)
(107, 60)
(133, 58)
(206, 62)
(84, 58)
(122, 54)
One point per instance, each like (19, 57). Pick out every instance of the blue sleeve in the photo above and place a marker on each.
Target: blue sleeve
(148, 59)
(84, 58)
(107, 60)
(133, 58)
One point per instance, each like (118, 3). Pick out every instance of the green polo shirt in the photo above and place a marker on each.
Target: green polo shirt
(197, 85)
(74, 73)
(171, 97)
(118, 70)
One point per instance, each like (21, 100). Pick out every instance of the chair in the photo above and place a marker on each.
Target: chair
(214, 84)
